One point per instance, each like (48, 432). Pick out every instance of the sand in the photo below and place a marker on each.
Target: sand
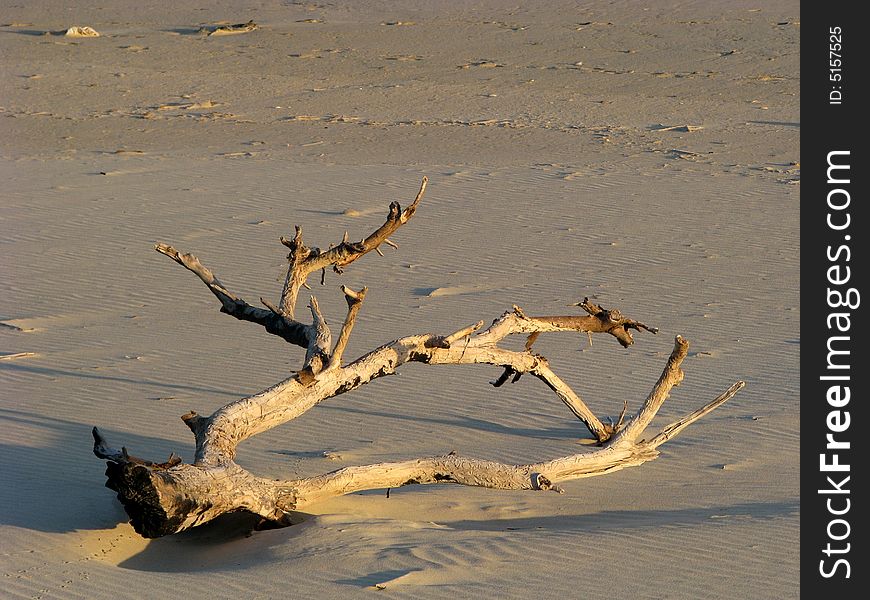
(643, 154)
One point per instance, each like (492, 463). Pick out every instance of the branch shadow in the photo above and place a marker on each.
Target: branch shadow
(230, 542)
(624, 520)
(59, 487)
(51, 372)
(577, 431)
(184, 30)
(32, 32)
(783, 123)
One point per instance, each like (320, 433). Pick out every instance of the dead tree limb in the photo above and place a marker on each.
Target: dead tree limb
(304, 261)
(164, 498)
(354, 302)
(274, 322)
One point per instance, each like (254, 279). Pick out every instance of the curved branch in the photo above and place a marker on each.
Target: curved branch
(347, 252)
(163, 500)
(304, 261)
(601, 321)
(671, 376)
(286, 328)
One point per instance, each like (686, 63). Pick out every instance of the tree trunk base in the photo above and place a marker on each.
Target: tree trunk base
(140, 490)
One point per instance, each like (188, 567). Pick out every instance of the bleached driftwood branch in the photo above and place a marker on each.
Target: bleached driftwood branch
(164, 498)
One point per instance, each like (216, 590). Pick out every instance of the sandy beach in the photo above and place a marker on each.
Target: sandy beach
(644, 155)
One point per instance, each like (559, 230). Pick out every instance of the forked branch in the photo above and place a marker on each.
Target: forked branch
(303, 261)
(163, 498)
(291, 331)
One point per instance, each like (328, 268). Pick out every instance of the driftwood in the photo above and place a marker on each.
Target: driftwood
(165, 498)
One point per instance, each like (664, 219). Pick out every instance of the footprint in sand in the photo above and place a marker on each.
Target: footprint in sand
(482, 64)
(684, 128)
(361, 212)
(455, 290)
(403, 57)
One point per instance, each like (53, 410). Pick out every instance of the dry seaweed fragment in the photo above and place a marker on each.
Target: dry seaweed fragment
(231, 29)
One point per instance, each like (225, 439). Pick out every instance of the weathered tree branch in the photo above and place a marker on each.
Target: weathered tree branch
(286, 328)
(671, 376)
(164, 498)
(302, 262)
(346, 252)
(186, 495)
(599, 320)
(319, 341)
(677, 426)
(296, 275)
(354, 302)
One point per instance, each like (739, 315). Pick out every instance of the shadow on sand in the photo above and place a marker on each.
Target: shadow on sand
(59, 487)
(231, 542)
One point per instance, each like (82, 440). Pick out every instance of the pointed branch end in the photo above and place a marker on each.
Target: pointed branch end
(296, 242)
(169, 251)
(194, 421)
(173, 460)
(274, 309)
(507, 374)
(681, 346)
(462, 333)
(104, 451)
(614, 428)
(101, 445)
(623, 336)
(352, 296)
(590, 307)
(165, 249)
(530, 341)
(98, 437)
(409, 212)
(676, 427)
